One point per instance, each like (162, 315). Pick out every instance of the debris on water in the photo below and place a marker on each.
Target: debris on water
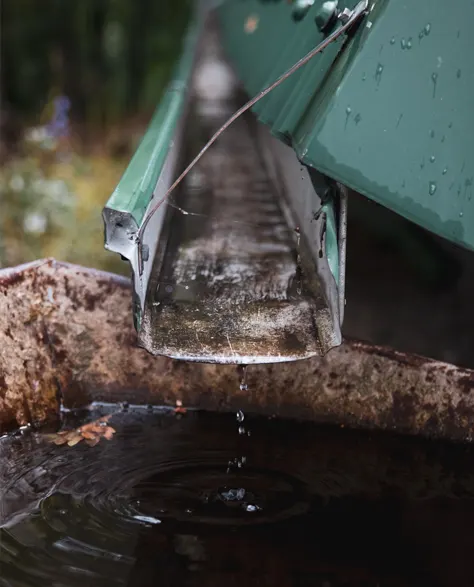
(179, 409)
(91, 433)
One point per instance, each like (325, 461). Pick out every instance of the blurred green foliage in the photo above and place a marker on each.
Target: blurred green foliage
(52, 208)
(112, 58)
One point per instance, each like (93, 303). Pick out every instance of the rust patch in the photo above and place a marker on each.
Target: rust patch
(467, 383)
(11, 278)
(405, 407)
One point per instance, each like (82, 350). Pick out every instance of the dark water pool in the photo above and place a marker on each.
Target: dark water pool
(196, 500)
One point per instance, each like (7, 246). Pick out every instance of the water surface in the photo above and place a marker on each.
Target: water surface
(204, 499)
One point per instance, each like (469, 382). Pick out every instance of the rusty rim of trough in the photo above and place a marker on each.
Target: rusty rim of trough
(67, 337)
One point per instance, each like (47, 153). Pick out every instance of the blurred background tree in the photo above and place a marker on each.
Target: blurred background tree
(105, 63)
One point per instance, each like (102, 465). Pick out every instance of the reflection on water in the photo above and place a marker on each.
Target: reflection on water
(158, 504)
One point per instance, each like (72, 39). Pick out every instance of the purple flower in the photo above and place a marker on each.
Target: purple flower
(58, 127)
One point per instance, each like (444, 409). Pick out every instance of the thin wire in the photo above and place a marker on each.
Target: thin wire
(358, 10)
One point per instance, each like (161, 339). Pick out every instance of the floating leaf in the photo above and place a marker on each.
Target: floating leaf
(92, 441)
(74, 440)
(109, 433)
(91, 433)
(60, 440)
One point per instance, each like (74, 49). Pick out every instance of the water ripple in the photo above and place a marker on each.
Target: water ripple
(160, 500)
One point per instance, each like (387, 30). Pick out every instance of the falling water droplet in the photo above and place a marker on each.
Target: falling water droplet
(250, 507)
(392, 41)
(243, 377)
(348, 110)
(450, 125)
(421, 34)
(403, 44)
(427, 29)
(432, 188)
(432, 159)
(458, 73)
(445, 171)
(357, 118)
(240, 416)
(409, 43)
(242, 430)
(298, 235)
(432, 134)
(461, 214)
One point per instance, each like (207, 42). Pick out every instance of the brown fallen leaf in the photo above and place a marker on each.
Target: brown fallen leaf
(88, 435)
(92, 441)
(179, 409)
(59, 440)
(73, 440)
(109, 433)
(91, 433)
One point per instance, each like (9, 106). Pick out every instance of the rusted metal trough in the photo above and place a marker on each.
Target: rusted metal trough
(67, 338)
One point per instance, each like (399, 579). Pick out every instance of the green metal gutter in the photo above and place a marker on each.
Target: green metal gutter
(386, 111)
(150, 171)
(135, 189)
